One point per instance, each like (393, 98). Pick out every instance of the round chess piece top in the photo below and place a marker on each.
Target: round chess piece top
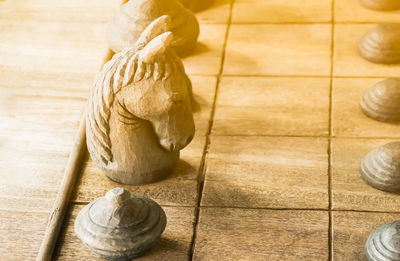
(381, 167)
(381, 44)
(135, 16)
(384, 243)
(381, 5)
(120, 225)
(381, 102)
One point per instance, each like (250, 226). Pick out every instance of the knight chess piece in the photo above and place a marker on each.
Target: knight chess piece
(135, 15)
(383, 244)
(381, 167)
(381, 44)
(381, 102)
(120, 225)
(139, 113)
(381, 5)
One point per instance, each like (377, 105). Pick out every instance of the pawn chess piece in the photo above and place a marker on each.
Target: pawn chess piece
(381, 167)
(384, 243)
(381, 5)
(120, 225)
(381, 102)
(139, 113)
(381, 44)
(135, 15)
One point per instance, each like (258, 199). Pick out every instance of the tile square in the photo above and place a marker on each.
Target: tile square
(351, 11)
(349, 191)
(207, 55)
(272, 106)
(21, 234)
(179, 189)
(278, 49)
(347, 61)
(211, 11)
(266, 172)
(351, 230)
(258, 234)
(348, 120)
(175, 242)
(278, 11)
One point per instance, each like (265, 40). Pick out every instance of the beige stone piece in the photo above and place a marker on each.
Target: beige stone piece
(348, 62)
(383, 5)
(351, 230)
(382, 101)
(135, 15)
(139, 114)
(381, 167)
(120, 225)
(349, 191)
(260, 234)
(384, 243)
(174, 244)
(381, 44)
(348, 120)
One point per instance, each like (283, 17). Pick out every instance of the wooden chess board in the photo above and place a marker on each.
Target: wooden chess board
(272, 173)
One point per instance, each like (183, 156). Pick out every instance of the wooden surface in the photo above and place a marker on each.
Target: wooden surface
(265, 172)
(272, 173)
(258, 234)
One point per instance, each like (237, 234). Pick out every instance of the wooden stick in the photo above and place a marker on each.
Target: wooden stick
(72, 169)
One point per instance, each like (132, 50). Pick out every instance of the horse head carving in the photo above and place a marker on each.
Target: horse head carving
(139, 113)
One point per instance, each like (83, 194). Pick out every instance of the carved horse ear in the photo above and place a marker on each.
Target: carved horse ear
(156, 47)
(154, 29)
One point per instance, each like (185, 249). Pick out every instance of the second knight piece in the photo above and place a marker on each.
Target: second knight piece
(139, 114)
(135, 15)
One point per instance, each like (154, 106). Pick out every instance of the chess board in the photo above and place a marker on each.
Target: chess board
(272, 173)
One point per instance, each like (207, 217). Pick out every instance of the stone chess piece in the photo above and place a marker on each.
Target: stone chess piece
(135, 15)
(120, 225)
(381, 44)
(381, 102)
(381, 5)
(384, 243)
(139, 114)
(381, 167)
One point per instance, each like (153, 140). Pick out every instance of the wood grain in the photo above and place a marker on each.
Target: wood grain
(347, 61)
(272, 106)
(260, 172)
(47, 65)
(174, 243)
(257, 234)
(21, 229)
(349, 191)
(206, 57)
(351, 230)
(278, 11)
(348, 120)
(278, 49)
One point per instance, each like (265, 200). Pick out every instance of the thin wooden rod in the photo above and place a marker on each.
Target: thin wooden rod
(61, 203)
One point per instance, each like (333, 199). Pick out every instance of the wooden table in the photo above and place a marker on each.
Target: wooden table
(272, 173)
